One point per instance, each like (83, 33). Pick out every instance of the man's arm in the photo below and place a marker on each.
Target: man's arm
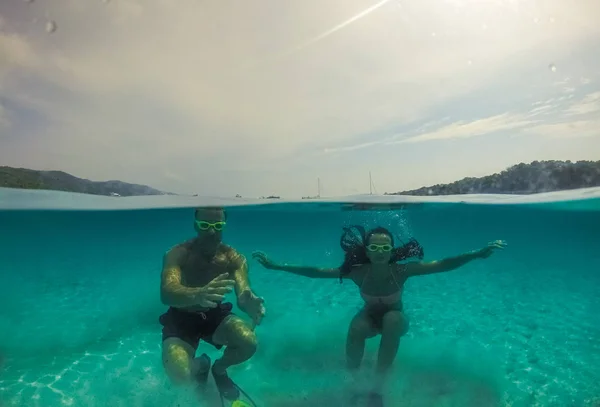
(247, 301)
(240, 274)
(239, 269)
(172, 292)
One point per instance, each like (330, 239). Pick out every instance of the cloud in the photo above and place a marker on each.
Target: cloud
(463, 129)
(589, 104)
(3, 117)
(16, 54)
(529, 122)
(567, 130)
(543, 109)
(188, 96)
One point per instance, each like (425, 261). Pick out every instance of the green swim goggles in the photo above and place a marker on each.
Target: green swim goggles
(204, 225)
(379, 247)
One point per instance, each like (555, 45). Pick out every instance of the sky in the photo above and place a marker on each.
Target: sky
(263, 98)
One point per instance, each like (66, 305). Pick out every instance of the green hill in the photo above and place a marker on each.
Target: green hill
(536, 177)
(61, 181)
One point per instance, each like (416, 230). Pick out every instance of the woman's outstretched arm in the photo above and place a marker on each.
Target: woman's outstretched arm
(306, 271)
(451, 263)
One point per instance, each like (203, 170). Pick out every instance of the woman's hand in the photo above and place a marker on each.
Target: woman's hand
(262, 258)
(490, 248)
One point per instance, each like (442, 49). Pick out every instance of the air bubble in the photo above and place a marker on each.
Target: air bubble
(552, 67)
(51, 27)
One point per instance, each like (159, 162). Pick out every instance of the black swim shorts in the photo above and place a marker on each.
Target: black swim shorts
(191, 327)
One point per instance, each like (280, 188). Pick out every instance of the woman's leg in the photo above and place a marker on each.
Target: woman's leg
(360, 330)
(394, 326)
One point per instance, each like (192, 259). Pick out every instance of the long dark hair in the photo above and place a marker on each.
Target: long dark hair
(354, 243)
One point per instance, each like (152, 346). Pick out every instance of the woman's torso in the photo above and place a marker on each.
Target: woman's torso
(380, 288)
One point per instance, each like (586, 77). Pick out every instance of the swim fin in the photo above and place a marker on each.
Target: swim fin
(238, 402)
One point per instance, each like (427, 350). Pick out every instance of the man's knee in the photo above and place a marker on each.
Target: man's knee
(247, 342)
(237, 334)
(177, 362)
(178, 375)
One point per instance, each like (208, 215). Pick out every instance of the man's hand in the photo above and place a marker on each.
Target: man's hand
(252, 305)
(214, 292)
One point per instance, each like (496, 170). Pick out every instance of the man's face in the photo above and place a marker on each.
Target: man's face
(209, 224)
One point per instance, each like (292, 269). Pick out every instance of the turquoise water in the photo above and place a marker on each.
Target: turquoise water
(79, 296)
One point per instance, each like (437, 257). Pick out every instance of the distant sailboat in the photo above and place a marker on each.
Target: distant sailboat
(363, 206)
(318, 191)
(371, 185)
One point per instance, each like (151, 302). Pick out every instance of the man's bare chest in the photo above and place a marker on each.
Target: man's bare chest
(199, 271)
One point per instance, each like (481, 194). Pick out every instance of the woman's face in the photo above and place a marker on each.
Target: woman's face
(379, 248)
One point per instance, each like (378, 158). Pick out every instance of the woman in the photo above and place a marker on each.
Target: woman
(371, 263)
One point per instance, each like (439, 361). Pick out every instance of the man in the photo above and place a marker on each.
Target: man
(196, 275)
